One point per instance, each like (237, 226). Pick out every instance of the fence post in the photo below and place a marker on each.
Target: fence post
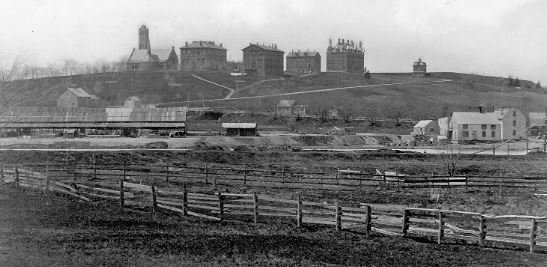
(368, 220)
(184, 200)
(16, 177)
(167, 173)
(338, 217)
(215, 181)
(94, 167)
(121, 190)
(255, 204)
(441, 228)
(245, 176)
(533, 229)
(47, 177)
(154, 202)
(406, 218)
(482, 231)
(299, 212)
(2, 171)
(206, 173)
(220, 206)
(283, 175)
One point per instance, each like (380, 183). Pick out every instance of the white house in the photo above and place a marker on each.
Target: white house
(502, 124)
(426, 127)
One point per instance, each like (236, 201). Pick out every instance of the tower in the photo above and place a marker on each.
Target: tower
(144, 39)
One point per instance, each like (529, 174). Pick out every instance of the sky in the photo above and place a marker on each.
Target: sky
(491, 37)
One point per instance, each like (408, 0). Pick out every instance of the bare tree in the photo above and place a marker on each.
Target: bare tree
(450, 160)
(9, 71)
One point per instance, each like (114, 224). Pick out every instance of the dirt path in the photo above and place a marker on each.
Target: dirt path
(307, 92)
(232, 91)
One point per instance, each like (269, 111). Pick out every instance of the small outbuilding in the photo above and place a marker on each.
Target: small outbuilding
(240, 129)
(426, 127)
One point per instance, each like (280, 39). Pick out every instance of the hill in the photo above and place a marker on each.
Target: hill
(422, 96)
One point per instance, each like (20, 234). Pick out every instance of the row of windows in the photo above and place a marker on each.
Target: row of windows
(483, 133)
(202, 52)
(483, 126)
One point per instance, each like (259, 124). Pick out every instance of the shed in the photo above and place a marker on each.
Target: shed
(240, 129)
(426, 127)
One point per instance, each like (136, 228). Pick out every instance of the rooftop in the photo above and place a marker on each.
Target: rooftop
(79, 92)
(272, 47)
(203, 44)
(303, 54)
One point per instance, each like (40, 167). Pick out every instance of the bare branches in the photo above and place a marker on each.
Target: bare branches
(450, 160)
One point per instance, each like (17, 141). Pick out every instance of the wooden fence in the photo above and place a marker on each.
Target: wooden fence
(385, 219)
(219, 175)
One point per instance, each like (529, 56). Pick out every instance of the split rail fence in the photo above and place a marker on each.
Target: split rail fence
(131, 191)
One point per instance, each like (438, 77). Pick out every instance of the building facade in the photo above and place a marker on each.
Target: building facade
(426, 127)
(303, 62)
(346, 56)
(76, 97)
(419, 68)
(502, 124)
(202, 56)
(263, 60)
(146, 58)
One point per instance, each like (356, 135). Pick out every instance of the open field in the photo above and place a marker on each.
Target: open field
(42, 231)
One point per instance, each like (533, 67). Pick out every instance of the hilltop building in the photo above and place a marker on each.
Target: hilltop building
(501, 124)
(303, 62)
(145, 58)
(419, 68)
(202, 56)
(76, 97)
(263, 60)
(426, 127)
(346, 56)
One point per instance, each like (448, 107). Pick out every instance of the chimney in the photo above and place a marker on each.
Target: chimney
(185, 43)
(200, 43)
(481, 109)
(220, 44)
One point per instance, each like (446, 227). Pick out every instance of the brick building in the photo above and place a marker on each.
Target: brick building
(146, 58)
(419, 68)
(263, 60)
(303, 62)
(346, 56)
(202, 56)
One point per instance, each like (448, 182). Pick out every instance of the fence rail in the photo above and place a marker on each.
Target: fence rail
(385, 219)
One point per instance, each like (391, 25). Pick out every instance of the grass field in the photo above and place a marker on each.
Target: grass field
(37, 230)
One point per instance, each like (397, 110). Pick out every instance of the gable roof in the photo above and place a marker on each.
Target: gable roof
(79, 92)
(203, 44)
(264, 47)
(163, 54)
(286, 103)
(476, 118)
(303, 54)
(141, 55)
(423, 123)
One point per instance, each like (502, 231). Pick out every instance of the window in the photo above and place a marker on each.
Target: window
(514, 123)
(493, 127)
(483, 133)
(465, 126)
(465, 133)
(514, 113)
(483, 126)
(432, 130)
(514, 132)
(493, 134)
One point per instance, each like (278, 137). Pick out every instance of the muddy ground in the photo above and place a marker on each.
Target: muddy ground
(38, 230)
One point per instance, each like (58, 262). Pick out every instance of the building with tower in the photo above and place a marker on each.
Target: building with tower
(346, 56)
(263, 60)
(303, 62)
(146, 58)
(202, 56)
(419, 68)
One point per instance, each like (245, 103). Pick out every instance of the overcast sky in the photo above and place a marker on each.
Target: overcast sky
(494, 37)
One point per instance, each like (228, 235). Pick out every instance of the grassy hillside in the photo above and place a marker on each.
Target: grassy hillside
(417, 95)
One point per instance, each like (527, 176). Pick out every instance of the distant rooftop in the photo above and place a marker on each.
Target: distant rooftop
(79, 92)
(203, 44)
(271, 47)
(302, 53)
